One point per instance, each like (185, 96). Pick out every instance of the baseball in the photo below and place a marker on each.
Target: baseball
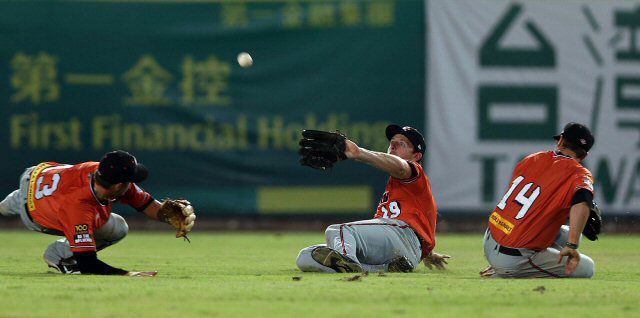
(245, 60)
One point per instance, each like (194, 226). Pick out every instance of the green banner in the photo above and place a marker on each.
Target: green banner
(160, 79)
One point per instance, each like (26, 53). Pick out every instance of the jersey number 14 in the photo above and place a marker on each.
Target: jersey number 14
(521, 198)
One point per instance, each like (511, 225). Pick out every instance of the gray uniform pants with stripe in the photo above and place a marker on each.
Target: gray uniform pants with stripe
(110, 233)
(532, 263)
(371, 243)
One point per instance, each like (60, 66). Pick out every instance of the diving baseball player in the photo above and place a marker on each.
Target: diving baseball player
(526, 235)
(402, 231)
(75, 201)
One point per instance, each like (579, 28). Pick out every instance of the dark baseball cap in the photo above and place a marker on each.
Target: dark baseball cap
(119, 167)
(578, 135)
(411, 133)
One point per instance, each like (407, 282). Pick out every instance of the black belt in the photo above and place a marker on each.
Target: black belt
(509, 251)
(26, 208)
(503, 249)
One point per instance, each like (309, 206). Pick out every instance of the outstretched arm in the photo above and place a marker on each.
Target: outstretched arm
(394, 165)
(178, 213)
(151, 210)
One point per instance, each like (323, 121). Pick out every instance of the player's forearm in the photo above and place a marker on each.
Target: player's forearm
(394, 165)
(152, 209)
(578, 216)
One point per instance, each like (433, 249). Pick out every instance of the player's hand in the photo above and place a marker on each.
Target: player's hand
(142, 274)
(572, 261)
(488, 272)
(435, 260)
(352, 150)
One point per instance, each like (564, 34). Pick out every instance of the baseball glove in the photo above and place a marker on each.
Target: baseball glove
(594, 223)
(178, 213)
(321, 149)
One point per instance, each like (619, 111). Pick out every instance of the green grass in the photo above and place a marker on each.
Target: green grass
(250, 275)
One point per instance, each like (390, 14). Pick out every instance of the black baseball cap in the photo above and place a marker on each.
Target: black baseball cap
(119, 167)
(411, 133)
(578, 135)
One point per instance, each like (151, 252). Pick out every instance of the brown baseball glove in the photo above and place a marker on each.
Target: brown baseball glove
(178, 213)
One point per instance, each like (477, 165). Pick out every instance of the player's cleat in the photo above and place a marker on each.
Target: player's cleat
(400, 265)
(335, 260)
(62, 268)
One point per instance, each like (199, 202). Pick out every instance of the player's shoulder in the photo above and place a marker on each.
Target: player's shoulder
(535, 159)
(540, 155)
(89, 165)
(416, 164)
(569, 164)
(582, 170)
(76, 179)
(417, 173)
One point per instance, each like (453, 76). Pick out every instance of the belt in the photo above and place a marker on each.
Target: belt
(503, 249)
(509, 251)
(26, 208)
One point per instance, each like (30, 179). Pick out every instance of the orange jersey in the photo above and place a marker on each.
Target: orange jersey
(538, 201)
(412, 202)
(61, 198)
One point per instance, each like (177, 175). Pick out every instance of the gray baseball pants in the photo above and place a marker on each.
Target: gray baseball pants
(535, 263)
(110, 233)
(371, 243)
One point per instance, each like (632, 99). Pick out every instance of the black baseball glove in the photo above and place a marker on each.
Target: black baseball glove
(594, 223)
(321, 149)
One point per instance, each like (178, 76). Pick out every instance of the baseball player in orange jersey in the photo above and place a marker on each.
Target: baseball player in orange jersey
(526, 235)
(75, 201)
(402, 231)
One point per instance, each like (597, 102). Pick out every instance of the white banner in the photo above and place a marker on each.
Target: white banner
(504, 76)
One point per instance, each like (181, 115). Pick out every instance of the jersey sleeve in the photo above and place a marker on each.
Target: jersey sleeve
(583, 180)
(416, 173)
(78, 221)
(136, 197)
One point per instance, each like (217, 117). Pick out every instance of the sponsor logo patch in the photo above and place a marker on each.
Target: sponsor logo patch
(32, 185)
(82, 228)
(83, 238)
(501, 223)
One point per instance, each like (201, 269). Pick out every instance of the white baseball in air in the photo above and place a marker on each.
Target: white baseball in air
(245, 60)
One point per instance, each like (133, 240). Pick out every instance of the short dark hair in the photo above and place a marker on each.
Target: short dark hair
(580, 152)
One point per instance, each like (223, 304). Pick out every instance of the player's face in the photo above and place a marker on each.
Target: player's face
(118, 190)
(401, 147)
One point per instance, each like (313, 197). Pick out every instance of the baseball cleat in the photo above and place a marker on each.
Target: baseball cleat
(62, 268)
(335, 260)
(400, 265)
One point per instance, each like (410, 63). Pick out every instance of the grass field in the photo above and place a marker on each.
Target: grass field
(251, 275)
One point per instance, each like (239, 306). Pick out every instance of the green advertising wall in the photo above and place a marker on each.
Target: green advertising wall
(160, 79)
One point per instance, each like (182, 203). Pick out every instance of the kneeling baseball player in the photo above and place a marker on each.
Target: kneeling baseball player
(402, 231)
(75, 201)
(526, 235)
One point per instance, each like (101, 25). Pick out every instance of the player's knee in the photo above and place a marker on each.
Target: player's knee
(332, 229)
(121, 228)
(586, 268)
(305, 261)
